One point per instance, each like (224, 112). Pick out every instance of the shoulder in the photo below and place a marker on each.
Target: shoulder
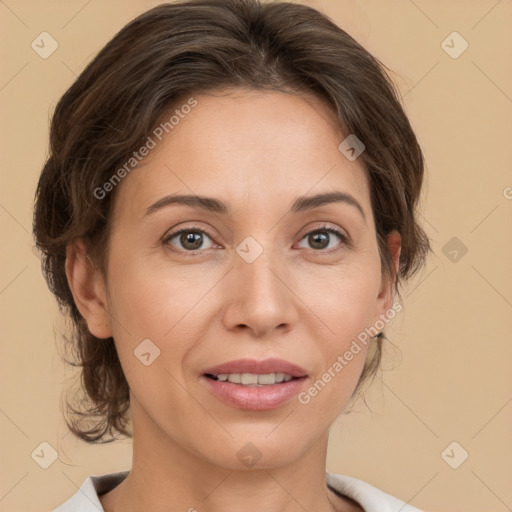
(86, 499)
(369, 497)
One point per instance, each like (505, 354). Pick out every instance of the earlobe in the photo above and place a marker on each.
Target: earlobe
(88, 288)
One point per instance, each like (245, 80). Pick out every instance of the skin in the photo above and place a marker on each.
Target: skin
(258, 152)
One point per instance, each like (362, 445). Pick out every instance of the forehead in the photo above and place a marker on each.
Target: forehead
(246, 147)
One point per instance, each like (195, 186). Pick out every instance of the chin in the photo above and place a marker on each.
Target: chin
(258, 450)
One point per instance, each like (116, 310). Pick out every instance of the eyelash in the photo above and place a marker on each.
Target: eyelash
(345, 240)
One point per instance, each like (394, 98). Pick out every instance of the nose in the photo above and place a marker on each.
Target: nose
(260, 297)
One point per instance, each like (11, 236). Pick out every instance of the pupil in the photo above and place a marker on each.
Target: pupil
(193, 238)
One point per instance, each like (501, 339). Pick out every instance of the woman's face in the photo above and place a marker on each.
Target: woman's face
(259, 282)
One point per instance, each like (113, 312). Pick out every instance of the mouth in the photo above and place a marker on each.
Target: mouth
(255, 385)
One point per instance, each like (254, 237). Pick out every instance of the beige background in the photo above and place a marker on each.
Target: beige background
(451, 380)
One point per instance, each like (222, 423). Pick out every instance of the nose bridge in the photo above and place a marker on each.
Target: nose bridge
(261, 300)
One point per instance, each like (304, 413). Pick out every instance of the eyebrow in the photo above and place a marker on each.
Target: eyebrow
(213, 205)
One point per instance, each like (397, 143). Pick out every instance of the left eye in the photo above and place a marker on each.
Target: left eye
(321, 239)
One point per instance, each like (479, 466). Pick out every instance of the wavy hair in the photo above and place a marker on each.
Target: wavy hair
(189, 47)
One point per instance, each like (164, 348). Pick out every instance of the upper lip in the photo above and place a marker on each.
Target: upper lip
(257, 367)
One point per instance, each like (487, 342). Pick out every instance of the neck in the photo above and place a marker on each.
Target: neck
(167, 477)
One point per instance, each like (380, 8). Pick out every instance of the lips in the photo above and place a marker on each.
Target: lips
(257, 367)
(255, 385)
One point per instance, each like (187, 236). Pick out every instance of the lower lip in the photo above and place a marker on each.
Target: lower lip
(255, 398)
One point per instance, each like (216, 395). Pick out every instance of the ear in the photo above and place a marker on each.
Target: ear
(88, 288)
(386, 293)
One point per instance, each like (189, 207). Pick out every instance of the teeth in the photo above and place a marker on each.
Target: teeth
(251, 379)
(268, 378)
(248, 378)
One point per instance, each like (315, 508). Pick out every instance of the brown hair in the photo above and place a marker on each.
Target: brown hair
(185, 48)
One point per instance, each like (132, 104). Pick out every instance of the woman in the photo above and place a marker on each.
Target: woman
(226, 214)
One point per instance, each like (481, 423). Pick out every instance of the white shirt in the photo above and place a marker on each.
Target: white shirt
(369, 497)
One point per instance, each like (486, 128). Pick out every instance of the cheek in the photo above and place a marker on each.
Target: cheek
(169, 306)
(345, 301)
(149, 299)
(150, 303)
(346, 308)
(345, 297)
